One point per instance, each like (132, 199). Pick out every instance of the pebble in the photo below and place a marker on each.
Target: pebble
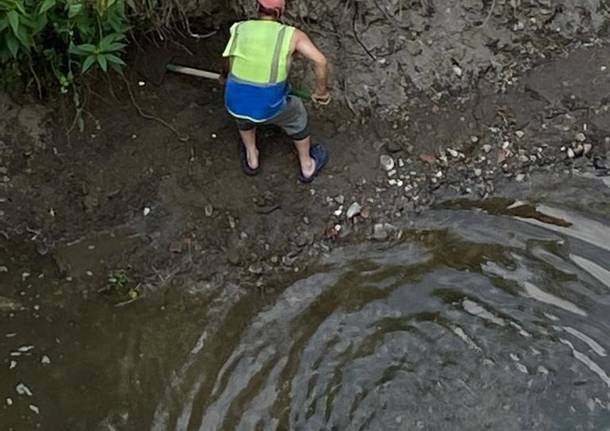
(339, 211)
(587, 149)
(580, 137)
(478, 172)
(9, 401)
(208, 210)
(34, 408)
(453, 153)
(571, 154)
(386, 162)
(487, 148)
(23, 390)
(354, 210)
(146, 211)
(520, 134)
(45, 360)
(340, 199)
(520, 178)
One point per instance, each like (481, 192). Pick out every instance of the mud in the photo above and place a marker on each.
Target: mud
(172, 211)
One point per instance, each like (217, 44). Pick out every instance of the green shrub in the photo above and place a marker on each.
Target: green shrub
(57, 41)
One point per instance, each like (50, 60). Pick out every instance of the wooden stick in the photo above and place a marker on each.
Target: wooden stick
(193, 72)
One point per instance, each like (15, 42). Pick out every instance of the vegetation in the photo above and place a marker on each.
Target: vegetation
(54, 45)
(57, 41)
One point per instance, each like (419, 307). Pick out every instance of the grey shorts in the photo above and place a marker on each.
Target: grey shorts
(293, 119)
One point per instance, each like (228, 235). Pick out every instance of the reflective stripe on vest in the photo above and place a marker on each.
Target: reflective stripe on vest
(260, 51)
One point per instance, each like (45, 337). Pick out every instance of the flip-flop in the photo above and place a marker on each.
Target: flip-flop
(244, 161)
(320, 155)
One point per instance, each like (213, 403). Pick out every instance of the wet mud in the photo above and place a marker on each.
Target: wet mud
(466, 202)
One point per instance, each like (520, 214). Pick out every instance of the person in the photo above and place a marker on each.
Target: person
(257, 92)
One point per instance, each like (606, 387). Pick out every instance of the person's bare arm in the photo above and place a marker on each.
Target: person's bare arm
(305, 47)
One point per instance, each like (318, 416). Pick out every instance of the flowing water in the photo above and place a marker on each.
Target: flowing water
(483, 315)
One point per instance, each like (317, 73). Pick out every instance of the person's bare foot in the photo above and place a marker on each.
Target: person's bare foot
(252, 157)
(309, 168)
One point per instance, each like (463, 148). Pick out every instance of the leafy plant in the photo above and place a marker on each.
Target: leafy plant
(57, 41)
(119, 284)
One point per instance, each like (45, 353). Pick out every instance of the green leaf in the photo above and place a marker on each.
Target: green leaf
(88, 63)
(24, 37)
(13, 19)
(83, 49)
(46, 5)
(101, 59)
(116, 47)
(74, 10)
(13, 44)
(114, 59)
(3, 23)
(106, 41)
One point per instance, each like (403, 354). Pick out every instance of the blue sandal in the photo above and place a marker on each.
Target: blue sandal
(320, 155)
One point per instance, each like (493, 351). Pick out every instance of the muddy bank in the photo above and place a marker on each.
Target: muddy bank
(490, 95)
(383, 50)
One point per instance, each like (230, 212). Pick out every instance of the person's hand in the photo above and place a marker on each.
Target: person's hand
(321, 98)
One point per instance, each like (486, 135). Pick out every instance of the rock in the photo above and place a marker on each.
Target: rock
(90, 203)
(478, 172)
(340, 199)
(570, 153)
(453, 153)
(520, 178)
(208, 210)
(579, 150)
(353, 210)
(386, 162)
(520, 134)
(381, 231)
(428, 158)
(393, 147)
(256, 269)
(305, 238)
(175, 247)
(487, 148)
(580, 137)
(587, 149)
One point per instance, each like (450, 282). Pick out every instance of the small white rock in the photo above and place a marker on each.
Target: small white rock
(353, 210)
(571, 153)
(9, 401)
(580, 137)
(34, 408)
(146, 211)
(23, 390)
(520, 134)
(45, 360)
(141, 83)
(386, 162)
(453, 153)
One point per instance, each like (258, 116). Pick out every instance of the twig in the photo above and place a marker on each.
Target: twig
(491, 11)
(150, 116)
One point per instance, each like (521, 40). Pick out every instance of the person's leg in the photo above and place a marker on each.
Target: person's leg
(308, 165)
(247, 133)
(248, 137)
(295, 122)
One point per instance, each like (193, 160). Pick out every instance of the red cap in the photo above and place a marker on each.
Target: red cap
(279, 5)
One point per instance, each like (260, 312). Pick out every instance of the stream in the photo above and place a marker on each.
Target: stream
(488, 314)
